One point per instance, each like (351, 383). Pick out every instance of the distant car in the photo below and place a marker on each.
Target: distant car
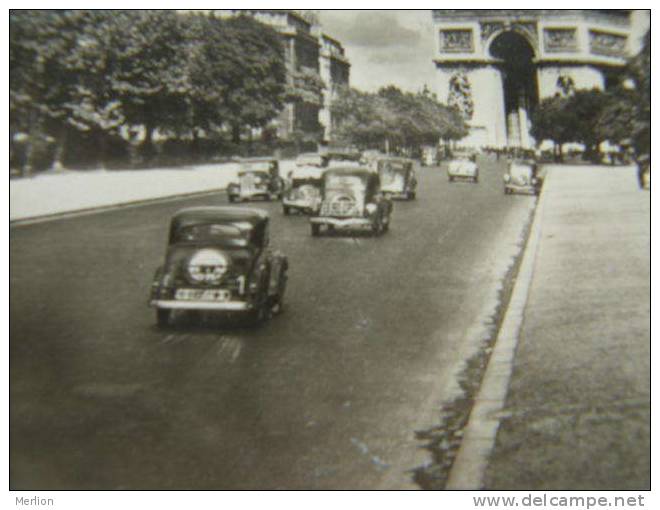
(429, 155)
(304, 190)
(397, 177)
(314, 159)
(352, 198)
(218, 260)
(258, 178)
(370, 157)
(521, 177)
(463, 166)
(343, 154)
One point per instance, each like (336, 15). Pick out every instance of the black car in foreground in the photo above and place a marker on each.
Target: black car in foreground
(218, 259)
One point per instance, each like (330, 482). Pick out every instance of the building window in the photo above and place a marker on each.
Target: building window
(456, 41)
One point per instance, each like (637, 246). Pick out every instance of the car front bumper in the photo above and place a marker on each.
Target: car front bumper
(227, 306)
(523, 188)
(306, 205)
(398, 193)
(341, 222)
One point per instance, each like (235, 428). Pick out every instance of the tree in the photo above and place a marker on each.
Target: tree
(396, 118)
(552, 120)
(255, 82)
(42, 83)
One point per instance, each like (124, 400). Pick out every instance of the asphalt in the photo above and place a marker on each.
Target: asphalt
(578, 409)
(326, 396)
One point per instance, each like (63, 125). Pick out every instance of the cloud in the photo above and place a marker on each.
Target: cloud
(369, 28)
(385, 47)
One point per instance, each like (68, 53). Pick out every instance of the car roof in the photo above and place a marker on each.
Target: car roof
(350, 170)
(307, 172)
(257, 159)
(396, 159)
(219, 214)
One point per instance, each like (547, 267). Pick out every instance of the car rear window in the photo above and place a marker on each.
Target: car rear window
(226, 234)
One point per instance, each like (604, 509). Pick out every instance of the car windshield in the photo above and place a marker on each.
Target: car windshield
(391, 167)
(312, 159)
(336, 182)
(520, 170)
(255, 166)
(226, 234)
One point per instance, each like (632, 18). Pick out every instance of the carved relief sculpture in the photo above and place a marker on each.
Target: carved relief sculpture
(460, 94)
(558, 40)
(604, 43)
(456, 41)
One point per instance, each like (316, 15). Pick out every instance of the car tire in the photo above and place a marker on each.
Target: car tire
(413, 195)
(286, 210)
(316, 229)
(451, 179)
(232, 199)
(163, 317)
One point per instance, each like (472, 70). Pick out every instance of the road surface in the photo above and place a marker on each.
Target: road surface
(326, 396)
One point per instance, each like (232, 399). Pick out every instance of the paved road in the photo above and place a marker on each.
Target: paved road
(326, 396)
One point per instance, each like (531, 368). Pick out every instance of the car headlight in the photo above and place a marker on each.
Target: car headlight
(207, 266)
(371, 208)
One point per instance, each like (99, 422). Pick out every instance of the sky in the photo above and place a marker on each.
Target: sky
(396, 47)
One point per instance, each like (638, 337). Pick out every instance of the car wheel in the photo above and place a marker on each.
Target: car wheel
(413, 195)
(163, 317)
(277, 306)
(451, 179)
(476, 179)
(377, 227)
(316, 229)
(231, 199)
(286, 210)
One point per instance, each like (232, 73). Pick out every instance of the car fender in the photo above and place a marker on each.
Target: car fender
(279, 263)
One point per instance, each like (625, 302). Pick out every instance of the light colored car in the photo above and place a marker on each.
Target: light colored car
(521, 177)
(258, 178)
(397, 177)
(463, 166)
(303, 193)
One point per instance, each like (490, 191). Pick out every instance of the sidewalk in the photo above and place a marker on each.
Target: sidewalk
(577, 412)
(62, 192)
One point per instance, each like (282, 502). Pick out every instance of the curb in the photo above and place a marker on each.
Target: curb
(469, 467)
(109, 207)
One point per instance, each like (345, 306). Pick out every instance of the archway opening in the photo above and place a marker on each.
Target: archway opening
(519, 84)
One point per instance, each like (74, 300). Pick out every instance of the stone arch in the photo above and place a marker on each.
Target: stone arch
(531, 40)
(516, 60)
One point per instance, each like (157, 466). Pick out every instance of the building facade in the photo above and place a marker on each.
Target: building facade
(310, 57)
(335, 73)
(496, 65)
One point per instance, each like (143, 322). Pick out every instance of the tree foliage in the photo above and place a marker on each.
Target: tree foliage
(110, 71)
(403, 119)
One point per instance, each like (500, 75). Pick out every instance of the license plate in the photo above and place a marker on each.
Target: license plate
(215, 295)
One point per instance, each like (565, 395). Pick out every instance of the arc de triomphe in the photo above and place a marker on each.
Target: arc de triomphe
(497, 64)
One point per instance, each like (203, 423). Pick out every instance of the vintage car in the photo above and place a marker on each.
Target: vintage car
(369, 158)
(314, 159)
(397, 177)
(343, 153)
(218, 259)
(351, 198)
(463, 166)
(521, 177)
(258, 178)
(429, 156)
(304, 191)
